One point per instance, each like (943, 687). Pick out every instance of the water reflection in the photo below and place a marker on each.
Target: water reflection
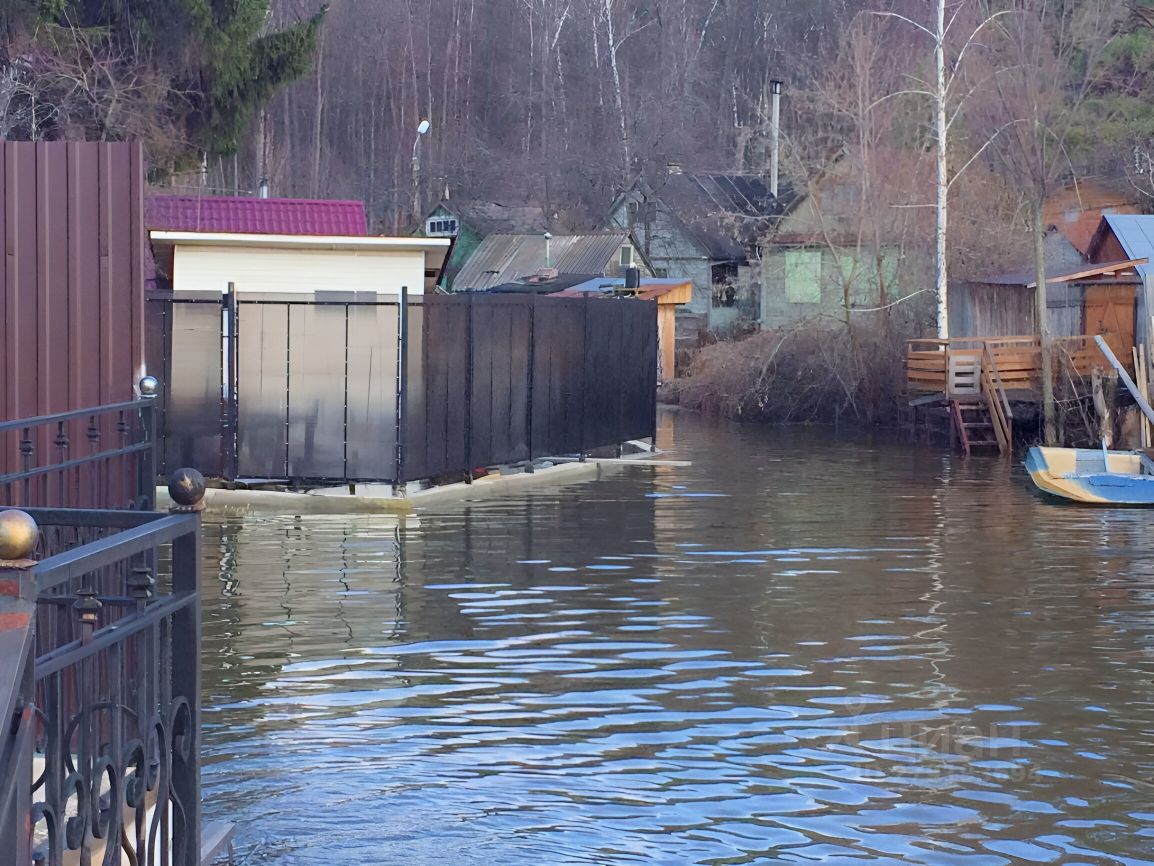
(844, 652)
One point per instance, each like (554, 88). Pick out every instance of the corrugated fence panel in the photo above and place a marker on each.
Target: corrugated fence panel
(603, 373)
(262, 390)
(71, 222)
(558, 375)
(638, 372)
(500, 381)
(316, 391)
(192, 407)
(371, 431)
(440, 443)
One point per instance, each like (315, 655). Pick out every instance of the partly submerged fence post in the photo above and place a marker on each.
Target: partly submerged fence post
(531, 355)
(186, 488)
(469, 346)
(231, 442)
(585, 355)
(402, 386)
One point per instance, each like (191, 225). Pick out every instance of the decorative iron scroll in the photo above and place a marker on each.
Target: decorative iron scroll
(102, 764)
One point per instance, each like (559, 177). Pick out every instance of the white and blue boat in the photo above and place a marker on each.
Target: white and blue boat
(1093, 476)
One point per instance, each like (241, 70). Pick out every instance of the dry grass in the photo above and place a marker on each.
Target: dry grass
(808, 374)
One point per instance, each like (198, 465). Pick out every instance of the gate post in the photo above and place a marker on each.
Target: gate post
(402, 386)
(230, 459)
(584, 374)
(532, 355)
(469, 388)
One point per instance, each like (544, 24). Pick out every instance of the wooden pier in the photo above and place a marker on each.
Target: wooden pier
(977, 378)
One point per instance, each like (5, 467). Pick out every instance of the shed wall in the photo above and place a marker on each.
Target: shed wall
(211, 269)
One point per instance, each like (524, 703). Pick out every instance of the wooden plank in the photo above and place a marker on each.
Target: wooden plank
(215, 840)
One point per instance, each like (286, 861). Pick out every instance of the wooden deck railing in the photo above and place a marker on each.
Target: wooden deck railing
(951, 366)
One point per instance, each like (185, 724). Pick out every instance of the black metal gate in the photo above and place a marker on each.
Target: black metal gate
(333, 390)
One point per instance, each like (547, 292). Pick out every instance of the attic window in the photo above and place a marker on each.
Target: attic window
(626, 256)
(444, 227)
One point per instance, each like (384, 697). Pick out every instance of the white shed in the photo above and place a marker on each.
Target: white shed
(297, 264)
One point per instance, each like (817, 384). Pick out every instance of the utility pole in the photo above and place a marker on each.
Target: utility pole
(774, 136)
(941, 277)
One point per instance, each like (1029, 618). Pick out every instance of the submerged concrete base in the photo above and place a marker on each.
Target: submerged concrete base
(379, 498)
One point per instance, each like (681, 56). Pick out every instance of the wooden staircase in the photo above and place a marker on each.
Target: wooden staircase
(978, 404)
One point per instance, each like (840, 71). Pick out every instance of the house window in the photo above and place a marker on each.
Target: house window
(444, 227)
(631, 210)
(724, 278)
(626, 256)
(803, 276)
(661, 273)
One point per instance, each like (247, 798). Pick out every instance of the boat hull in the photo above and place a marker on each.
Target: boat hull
(1091, 477)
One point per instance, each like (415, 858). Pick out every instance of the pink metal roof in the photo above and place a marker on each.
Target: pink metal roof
(283, 216)
(260, 216)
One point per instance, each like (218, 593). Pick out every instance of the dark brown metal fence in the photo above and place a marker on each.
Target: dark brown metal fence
(506, 379)
(71, 293)
(350, 389)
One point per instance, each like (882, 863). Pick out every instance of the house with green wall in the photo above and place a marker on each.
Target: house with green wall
(850, 245)
(469, 223)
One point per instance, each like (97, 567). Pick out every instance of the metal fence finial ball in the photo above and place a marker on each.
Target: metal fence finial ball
(149, 386)
(18, 535)
(186, 487)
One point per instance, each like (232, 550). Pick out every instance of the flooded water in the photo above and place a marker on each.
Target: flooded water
(797, 650)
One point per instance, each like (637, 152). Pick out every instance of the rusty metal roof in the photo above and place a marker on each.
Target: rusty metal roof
(507, 258)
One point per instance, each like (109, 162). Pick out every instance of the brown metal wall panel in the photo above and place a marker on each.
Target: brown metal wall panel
(371, 392)
(262, 390)
(71, 222)
(558, 375)
(193, 403)
(415, 420)
(316, 384)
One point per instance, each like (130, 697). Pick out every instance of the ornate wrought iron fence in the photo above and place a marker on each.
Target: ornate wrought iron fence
(100, 675)
(86, 457)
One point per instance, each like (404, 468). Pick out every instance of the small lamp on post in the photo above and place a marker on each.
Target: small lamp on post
(422, 129)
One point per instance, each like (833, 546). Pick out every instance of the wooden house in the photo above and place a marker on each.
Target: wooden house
(469, 223)
(704, 228)
(834, 255)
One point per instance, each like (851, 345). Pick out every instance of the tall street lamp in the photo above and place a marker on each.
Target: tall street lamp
(422, 129)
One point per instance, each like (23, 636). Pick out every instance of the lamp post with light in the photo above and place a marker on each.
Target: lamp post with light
(422, 129)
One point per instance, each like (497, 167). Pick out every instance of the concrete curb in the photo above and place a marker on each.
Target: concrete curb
(378, 499)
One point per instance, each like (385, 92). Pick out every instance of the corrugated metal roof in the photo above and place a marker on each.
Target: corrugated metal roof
(506, 258)
(274, 216)
(722, 210)
(1136, 235)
